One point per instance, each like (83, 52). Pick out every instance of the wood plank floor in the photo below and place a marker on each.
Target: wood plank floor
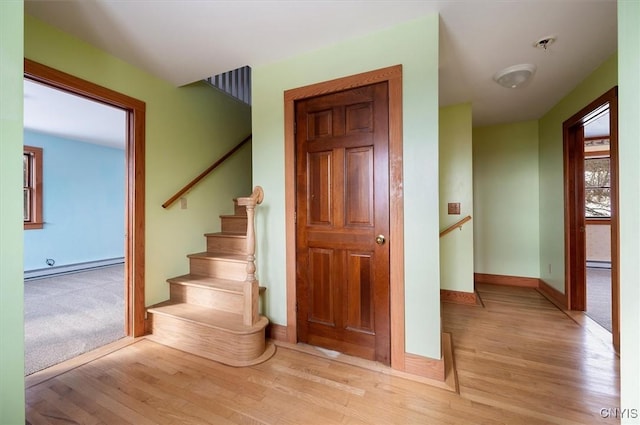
(519, 361)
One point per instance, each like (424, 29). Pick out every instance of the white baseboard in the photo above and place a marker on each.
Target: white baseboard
(71, 268)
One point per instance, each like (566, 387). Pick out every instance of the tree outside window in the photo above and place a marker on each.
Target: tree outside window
(597, 187)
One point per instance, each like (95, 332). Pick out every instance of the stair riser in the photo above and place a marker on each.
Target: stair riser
(239, 209)
(208, 297)
(234, 224)
(231, 270)
(215, 344)
(225, 244)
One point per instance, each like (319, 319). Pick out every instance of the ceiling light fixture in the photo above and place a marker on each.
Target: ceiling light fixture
(515, 76)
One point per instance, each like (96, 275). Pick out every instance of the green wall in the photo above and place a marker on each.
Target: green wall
(456, 185)
(505, 179)
(415, 46)
(11, 291)
(629, 146)
(187, 129)
(551, 169)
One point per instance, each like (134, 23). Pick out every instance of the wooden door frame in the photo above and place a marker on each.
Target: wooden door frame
(575, 251)
(393, 76)
(135, 184)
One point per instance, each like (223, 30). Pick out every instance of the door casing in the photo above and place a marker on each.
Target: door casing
(393, 76)
(135, 185)
(575, 251)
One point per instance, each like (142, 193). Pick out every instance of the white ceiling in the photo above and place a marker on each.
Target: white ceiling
(52, 111)
(184, 41)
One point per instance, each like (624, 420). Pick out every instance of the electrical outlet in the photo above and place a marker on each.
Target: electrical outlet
(183, 203)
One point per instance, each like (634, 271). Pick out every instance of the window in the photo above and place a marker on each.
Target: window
(597, 187)
(32, 187)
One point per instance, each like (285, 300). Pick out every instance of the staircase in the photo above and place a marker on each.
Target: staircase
(236, 83)
(213, 311)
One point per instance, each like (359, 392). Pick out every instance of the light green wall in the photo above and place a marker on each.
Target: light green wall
(505, 179)
(551, 168)
(415, 46)
(456, 185)
(11, 288)
(629, 146)
(187, 129)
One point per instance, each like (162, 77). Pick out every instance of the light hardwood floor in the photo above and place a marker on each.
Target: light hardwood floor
(519, 359)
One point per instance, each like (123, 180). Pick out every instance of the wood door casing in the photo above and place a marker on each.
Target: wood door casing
(575, 249)
(342, 203)
(135, 182)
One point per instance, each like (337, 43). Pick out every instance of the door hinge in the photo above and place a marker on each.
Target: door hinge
(295, 127)
(295, 217)
(296, 306)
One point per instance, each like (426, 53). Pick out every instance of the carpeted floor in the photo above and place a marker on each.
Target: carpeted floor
(71, 314)
(599, 296)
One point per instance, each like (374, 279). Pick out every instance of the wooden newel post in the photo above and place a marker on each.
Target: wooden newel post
(251, 285)
(251, 244)
(250, 204)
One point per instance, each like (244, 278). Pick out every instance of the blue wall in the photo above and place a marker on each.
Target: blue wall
(84, 193)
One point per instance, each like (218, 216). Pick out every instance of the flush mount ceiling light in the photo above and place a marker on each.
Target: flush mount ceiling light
(515, 76)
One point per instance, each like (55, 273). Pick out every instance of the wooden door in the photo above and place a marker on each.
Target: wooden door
(342, 206)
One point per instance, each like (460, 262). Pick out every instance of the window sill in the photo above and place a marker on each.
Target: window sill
(598, 220)
(33, 226)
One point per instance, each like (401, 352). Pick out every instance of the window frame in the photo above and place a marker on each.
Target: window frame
(35, 188)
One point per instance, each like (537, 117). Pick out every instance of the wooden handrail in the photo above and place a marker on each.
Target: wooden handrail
(202, 175)
(454, 226)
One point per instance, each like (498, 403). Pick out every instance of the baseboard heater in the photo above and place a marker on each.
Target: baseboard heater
(71, 268)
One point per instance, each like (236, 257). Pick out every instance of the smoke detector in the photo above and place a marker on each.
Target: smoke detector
(544, 42)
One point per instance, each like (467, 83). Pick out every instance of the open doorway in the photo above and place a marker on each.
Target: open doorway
(597, 195)
(74, 246)
(134, 187)
(591, 218)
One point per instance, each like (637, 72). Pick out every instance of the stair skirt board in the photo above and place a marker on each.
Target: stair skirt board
(214, 343)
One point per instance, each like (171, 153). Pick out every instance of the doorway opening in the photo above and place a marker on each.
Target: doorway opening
(134, 190)
(73, 260)
(591, 218)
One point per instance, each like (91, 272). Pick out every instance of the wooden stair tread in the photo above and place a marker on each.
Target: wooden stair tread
(204, 316)
(212, 282)
(243, 217)
(220, 255)
(226, 285)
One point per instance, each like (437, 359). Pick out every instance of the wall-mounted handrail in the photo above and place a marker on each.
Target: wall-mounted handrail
(458, 224)
(202, 175)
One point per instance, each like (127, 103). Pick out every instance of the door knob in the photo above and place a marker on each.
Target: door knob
(380, 239)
